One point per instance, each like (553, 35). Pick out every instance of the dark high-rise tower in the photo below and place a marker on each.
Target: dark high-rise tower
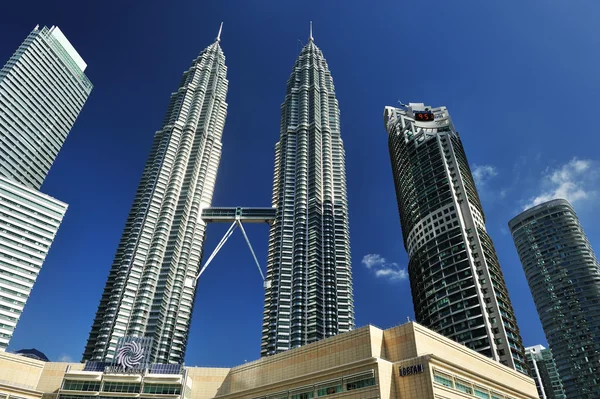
(457, 285)
(151, 286)
(564, 277)
(310, 296)
(544, 373)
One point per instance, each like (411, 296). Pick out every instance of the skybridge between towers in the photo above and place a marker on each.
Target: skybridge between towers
(237, 216)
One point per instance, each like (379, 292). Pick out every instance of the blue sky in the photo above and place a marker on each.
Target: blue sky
(521, 83)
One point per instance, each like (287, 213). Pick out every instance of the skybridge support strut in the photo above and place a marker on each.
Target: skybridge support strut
(223, 214)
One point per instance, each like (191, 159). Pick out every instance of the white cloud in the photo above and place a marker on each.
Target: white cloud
(573, 181)
(483, 173)
(383, 268)
(65, 359)
(371, 260)
(392, 273)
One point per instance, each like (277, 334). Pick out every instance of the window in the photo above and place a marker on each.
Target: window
(281, 395)
(81, 385)
(303, 395)
(360, 384)
(126, 387)
(85, 397)
(481, 393)
(329, 390)
(162, 389)
(443, 379)
(464, 386)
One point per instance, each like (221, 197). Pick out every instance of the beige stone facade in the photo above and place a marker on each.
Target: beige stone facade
(25, 378)
(407, 361)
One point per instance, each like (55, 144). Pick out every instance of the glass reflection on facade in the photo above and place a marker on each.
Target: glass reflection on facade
(564, 277)
(544, 372)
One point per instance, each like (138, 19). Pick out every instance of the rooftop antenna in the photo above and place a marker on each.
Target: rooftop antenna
(219, 35)
(408, 319)
(404, 105)
(310, 36)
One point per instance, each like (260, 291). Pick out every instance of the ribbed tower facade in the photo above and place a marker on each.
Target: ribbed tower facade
(42, 90)
(150, 289)
(457, 285)
(310, 296)
(564, 277)
(29, 222)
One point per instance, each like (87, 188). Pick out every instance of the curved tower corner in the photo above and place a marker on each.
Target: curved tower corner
(457, 285)
(564, 277)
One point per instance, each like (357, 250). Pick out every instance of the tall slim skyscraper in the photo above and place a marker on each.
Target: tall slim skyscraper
(42, 90)
(457, 285)
(544, 373)
(308, 265)
(564, 277)
(29, 221)
(150, 289)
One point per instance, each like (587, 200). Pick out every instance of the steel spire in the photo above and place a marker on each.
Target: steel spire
(219, 35)
(310, 36)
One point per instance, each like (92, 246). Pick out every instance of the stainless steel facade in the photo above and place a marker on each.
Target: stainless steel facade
(151, 286)
(457, 285)
(309, 269)
(564, 277)
(42, 90)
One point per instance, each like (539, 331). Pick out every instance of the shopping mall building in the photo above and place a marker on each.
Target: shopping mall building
(407, 361)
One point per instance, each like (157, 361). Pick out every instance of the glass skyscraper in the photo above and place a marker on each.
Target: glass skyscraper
(564, 277)
(151, 286)
(310, 296)
(457, 285)
(42, 90)
(544, 373)
(29, 221)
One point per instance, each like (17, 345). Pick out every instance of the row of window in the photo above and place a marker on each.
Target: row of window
(465, 386)
(17, 221)
(62, 396)
(122, 387)
(325, 390)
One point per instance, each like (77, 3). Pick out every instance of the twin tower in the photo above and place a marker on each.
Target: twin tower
(151, 287)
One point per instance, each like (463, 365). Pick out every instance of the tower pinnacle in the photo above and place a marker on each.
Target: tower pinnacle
(219, 35)
(310, 36)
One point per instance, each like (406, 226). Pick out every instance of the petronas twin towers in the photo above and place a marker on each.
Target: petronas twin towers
(151, 286)
(150, 290)
(310, 297)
